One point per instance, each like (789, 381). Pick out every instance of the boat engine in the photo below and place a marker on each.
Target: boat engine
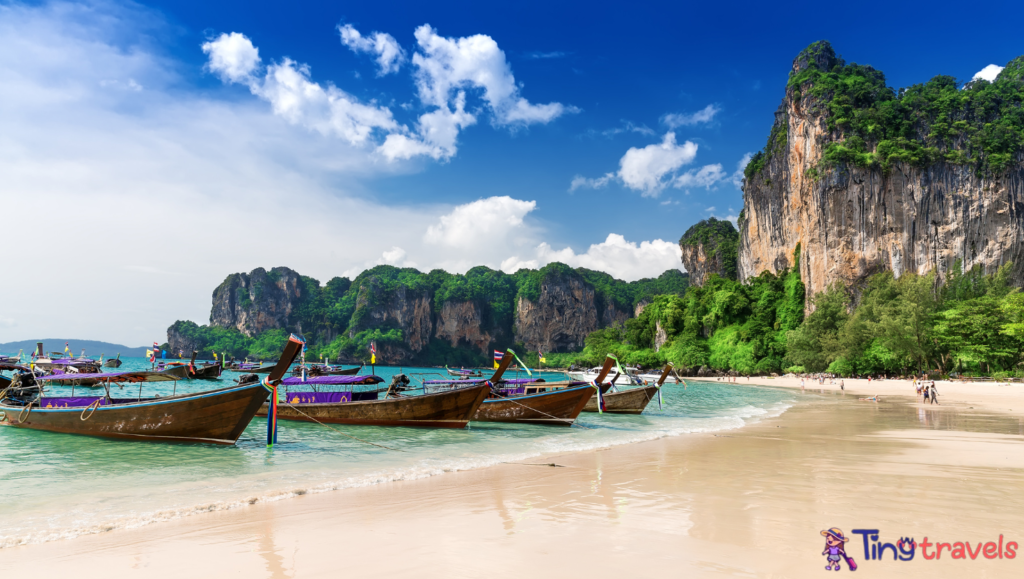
(399, 384)
(248, 379)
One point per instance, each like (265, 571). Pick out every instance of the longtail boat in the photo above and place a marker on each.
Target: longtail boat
(215, 416)
(309, 401)
(464, 373)
(527, 400)
(176, 370)
(629, 400)
(206, 371)
(325, 370)
(113, 362)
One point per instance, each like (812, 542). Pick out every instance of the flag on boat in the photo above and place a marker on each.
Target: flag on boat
(373, 353)
(540, 355)
(66, 349)
(497, 358)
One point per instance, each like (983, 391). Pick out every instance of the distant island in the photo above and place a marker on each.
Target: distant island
(92, 348)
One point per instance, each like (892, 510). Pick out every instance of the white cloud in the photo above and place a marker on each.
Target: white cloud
(388, 51)
(737, 176)
(436, 134)
(988, 73)
(293, 96)
(445, 65)
(232, 57)
(580, 181)
(705, 115)
(645, 169)
(620, 258)
(495, 217)
(546, 55)
(705, 177)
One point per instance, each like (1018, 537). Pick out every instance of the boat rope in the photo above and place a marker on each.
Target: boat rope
(569, 420)
(94, 406)
(20, 414)
(340, 432)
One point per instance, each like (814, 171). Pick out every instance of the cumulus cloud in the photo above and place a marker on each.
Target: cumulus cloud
(645, 169)
(703, 116)
(494, 216)
(622, 259)
(988, 73)
(705, 177)
(445, 65)
(293, 96)
(436, 134)
(389, 53)
(232, 57)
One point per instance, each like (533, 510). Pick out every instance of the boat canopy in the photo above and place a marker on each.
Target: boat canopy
(334, 379)
(134, 377)
(6, 366)
(479, 380)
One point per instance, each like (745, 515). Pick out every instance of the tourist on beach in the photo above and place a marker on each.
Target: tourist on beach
(842, 385)
(934, 393)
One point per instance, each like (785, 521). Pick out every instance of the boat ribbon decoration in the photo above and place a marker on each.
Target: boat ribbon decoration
(600, 402)
(521, 365)
(271, 412)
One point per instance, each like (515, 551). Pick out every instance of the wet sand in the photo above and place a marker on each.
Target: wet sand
(744, 503)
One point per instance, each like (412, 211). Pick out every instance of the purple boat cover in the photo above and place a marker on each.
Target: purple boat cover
(71, 402)
(70, 362)
(112, 376)
(318, 397)
(297, 380)
(479, 380)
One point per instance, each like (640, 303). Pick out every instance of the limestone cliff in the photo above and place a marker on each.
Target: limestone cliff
(861, 193)
(708, 247)
(561, 316)
(257, 301)
(417, 318)
(461, 324)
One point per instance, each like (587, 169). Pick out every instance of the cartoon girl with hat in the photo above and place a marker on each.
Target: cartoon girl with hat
(834, 540)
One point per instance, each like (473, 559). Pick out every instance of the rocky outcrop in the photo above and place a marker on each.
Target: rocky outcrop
(560, 318)
(461, 323)
(851, 221)
(257, 301)
(709, 247)
(660, 336)
(407, 310)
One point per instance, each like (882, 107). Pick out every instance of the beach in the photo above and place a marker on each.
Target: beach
(746, 502)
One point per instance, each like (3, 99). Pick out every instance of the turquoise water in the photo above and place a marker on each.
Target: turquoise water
(64, 486)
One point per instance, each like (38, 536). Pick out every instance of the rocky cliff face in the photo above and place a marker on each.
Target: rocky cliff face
(407, 310)
(255, 302)
(709, 247)
(852, 221)
(461, 323)
(560, 318)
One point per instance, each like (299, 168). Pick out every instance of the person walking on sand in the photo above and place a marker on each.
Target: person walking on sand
(934, 393)
(842, 385)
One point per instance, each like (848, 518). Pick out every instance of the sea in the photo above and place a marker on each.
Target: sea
(59, 486)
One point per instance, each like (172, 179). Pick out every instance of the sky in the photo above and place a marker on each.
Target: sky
(148, 150)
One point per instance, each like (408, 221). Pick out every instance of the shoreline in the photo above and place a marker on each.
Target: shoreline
(999, 397)
(681, 503)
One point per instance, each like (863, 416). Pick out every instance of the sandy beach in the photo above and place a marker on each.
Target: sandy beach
(749, 502)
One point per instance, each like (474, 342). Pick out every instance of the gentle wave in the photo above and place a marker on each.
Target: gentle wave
(729, 419)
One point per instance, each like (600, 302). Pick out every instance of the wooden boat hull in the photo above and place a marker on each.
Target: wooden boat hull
(631, 401)
(112, 364)
(210, 372)
(179, 372)
(558, 407)
(449, 409)
(217, 416)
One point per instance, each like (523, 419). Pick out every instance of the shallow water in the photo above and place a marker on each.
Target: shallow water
(62, 486)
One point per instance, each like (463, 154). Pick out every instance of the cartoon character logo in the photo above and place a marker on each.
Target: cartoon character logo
(835, 551)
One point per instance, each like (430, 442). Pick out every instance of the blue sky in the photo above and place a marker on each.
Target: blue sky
(161, 151)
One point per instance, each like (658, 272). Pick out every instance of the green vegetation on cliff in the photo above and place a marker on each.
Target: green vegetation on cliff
(720, 240)
(341, 318)
(980, 124)
(969, 323)
(724, 325)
